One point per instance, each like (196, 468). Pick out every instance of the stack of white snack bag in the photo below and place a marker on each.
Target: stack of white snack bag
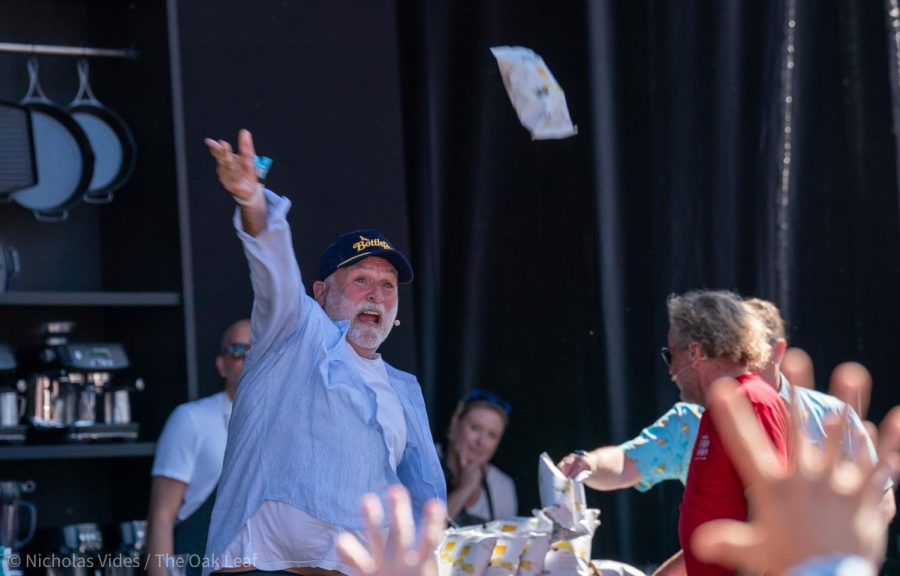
(464, 552)
(556, 541)
(512, 547)
(574, 524)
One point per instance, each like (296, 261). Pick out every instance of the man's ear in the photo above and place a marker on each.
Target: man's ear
(778, 351)
(694, 352)
(319, 290)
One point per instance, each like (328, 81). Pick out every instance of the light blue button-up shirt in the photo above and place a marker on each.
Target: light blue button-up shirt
(303, 430)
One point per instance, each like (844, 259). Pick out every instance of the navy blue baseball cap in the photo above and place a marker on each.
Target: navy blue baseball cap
(358, 245)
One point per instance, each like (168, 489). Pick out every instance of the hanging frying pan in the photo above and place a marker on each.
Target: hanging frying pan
(17, 169)
(65, 162)
(115, 151)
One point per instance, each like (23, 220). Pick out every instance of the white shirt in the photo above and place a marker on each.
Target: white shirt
(389, 413)
(192, 446)
(503, 497)
(279, 536)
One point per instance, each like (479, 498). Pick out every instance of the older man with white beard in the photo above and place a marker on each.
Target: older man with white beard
(320, 419)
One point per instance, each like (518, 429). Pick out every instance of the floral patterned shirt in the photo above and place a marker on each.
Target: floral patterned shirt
(662, 451)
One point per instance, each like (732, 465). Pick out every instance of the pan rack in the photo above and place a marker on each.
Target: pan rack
(51, 50)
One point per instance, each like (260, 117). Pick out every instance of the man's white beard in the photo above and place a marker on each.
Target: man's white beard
(369, 336)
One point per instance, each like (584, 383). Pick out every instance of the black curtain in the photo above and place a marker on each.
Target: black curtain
(504, 228)
(703, 159)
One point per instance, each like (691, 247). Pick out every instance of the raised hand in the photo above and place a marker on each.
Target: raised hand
(821, 505)
(399, 555)
(237, 172)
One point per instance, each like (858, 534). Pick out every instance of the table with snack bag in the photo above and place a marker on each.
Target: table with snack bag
(554, 541)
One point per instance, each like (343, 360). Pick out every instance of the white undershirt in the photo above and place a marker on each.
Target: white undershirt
(279, 536)
(389, 411)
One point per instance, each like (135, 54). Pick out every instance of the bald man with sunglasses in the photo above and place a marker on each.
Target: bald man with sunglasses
(188, 463)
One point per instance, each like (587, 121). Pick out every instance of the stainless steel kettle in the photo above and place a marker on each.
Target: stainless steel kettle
(10, 506)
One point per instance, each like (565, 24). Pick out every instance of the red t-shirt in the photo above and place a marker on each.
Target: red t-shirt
(714, 489)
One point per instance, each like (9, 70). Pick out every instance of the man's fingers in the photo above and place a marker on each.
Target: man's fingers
(835, 429)
(403, 527)
(354, 554)
(245, 145)
(889, 433)
(373, 517)
(749, 447)
(212, 145)
(728, 543)
(434, 516)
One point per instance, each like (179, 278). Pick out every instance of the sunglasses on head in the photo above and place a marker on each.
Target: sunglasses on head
(236, 350)
(482, 396)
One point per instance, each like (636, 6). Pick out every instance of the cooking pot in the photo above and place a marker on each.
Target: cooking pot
(65, 161)
(115, 151)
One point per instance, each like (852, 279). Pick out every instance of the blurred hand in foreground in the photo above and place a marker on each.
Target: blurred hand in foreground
(399, 555)
(821, 505)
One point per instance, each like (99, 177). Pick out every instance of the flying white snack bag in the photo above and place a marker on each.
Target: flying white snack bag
(537, 97)
(562, 498)
(464, 552)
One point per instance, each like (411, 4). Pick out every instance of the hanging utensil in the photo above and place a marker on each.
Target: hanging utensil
(65, 162)
(17, 168)
(115, 151)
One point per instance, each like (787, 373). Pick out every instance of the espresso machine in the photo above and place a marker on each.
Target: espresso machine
(128, 559)
(80, 551)
(12, 401)
(79, 392)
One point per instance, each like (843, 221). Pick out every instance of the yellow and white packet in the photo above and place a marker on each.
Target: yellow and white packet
(562, 498)
(535, 94)
(505, 557)
(464, 552)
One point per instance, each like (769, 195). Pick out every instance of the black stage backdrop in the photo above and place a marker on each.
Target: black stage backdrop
(741, 145)
(542, 267)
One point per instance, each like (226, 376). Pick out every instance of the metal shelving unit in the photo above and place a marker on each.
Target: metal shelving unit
(77, 451)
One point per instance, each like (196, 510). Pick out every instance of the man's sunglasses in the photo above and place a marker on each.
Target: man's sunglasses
(482, 396)
(666, 356)
(236, 350)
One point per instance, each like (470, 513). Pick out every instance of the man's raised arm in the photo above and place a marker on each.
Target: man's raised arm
(237, 173)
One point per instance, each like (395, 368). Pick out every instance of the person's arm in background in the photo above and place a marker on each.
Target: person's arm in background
(674, 566)
(166, 496)
(820, 516)
(173, 468)
(662, 451)
(610, 468)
